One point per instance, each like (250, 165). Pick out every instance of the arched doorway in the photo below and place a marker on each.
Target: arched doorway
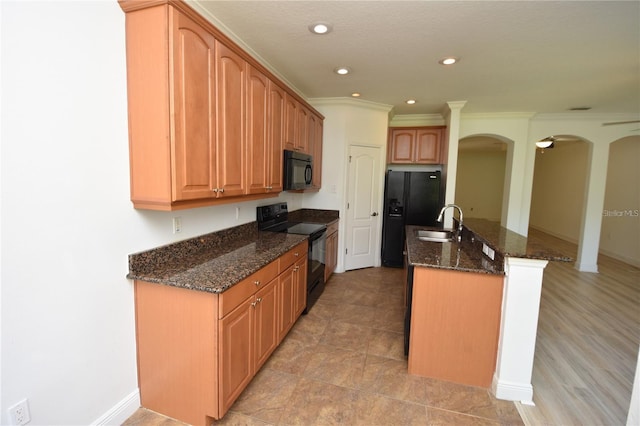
(480, 176)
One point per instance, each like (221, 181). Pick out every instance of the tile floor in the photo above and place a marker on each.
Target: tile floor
(343, 364)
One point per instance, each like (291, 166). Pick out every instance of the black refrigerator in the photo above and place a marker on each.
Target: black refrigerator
(410, 198)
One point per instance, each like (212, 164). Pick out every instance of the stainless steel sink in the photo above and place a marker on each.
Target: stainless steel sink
(435, 236)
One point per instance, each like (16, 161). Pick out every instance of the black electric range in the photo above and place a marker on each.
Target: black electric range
(275, 218)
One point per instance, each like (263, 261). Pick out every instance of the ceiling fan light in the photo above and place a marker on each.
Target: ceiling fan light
(544, 143)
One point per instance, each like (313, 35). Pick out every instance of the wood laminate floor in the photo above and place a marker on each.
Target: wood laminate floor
(343, 363)
(587, 343)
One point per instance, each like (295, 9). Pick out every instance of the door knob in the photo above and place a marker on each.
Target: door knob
(374, 214)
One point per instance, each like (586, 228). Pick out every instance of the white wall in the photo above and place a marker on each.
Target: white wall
(620, 235)
(480, 183)
(559, 189)
(67, 315)
(347, 122)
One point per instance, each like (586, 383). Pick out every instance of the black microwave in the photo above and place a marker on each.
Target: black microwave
(298, 170)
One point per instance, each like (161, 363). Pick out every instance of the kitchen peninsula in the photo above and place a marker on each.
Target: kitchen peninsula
(474, 307)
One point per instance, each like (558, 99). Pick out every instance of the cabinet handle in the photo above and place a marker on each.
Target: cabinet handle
(295, 268)
(259, 299)
(256, 282)
(296, 254)
(221, 190)
(215, 190)
(254, 304)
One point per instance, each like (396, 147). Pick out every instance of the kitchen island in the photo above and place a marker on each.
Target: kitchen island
(474, 307)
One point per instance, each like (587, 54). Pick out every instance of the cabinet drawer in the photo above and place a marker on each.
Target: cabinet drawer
(290, 257)
(333, 227)
(245, 288)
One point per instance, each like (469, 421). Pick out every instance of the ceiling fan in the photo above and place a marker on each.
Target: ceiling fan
(613, 123)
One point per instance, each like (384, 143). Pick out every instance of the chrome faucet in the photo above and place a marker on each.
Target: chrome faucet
(441, 215)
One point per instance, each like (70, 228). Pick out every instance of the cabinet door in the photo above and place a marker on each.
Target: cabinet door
(401, 146)
(266, 323)
(193, 165)
(236, 352)
(257, 137)
(299, 287)
(332, 255)
(428, 146)
(286, 295)
(276, 136)
(290, 122)
(231, 73)
(302, 139)
(315, 147)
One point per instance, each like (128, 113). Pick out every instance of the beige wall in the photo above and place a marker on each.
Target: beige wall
(558, 189)
(480, 183)
(620, 235)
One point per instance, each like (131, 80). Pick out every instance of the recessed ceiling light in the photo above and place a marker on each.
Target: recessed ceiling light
(320, 28)
(355, 94)
(448, 61)
(411, 101)
(342, 70)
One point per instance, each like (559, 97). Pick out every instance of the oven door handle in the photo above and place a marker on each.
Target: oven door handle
(308, 174)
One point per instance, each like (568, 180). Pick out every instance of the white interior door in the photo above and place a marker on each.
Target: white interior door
(363, 202)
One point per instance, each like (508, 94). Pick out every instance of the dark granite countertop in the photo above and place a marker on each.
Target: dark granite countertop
(314, 216)
(216, 261)
(467, 255)
(512, 244)
(464, 256)
(212, 262)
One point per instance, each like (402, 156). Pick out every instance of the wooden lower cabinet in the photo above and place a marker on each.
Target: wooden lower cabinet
(331, 257)
(455, 325)
(197, 351)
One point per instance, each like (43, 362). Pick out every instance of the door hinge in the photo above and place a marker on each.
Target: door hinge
(349, 158)
(346, 251)
(347, 206)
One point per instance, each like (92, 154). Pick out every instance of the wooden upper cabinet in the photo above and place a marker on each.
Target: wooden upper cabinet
(276, 136)
(315, 148)
(415, 145)
(302, 140)
(428, 143)
(290, 122)
(231, 78)
(194, 93)
(201, 111)
(258, 157)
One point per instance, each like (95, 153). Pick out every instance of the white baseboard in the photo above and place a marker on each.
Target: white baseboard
(509, 391)
(121, 411)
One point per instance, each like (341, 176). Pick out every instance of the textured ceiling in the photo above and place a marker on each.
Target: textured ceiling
(516, 56)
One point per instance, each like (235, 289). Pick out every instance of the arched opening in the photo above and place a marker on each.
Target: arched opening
(480, 177)
(558, 193)
(620, 232)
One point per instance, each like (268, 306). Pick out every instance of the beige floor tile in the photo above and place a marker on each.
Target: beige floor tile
(373, 409)
(387, 344)
(437, 417)
(389, 377)
(462, 399)
(319, 403)
(267, 396)
(347, 336)
(336, 366)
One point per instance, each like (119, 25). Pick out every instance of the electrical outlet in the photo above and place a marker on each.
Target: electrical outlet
(177, 225)
(237, 213)
(19, 413)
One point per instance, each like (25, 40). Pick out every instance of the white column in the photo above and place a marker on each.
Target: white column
(592, 209)
(518, 329)
(451, 166)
